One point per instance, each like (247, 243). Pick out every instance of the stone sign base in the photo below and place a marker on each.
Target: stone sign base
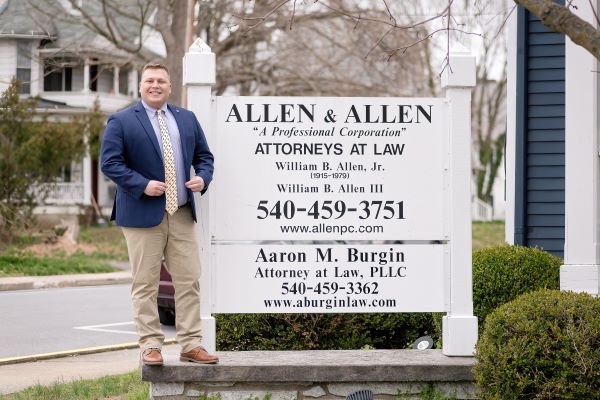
(323, 375)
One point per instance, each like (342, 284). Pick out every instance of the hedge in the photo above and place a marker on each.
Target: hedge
(502, 273)
(543, 345)
(321, 331)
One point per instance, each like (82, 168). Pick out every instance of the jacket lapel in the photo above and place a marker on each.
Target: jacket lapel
(142, 116)
(178, 118)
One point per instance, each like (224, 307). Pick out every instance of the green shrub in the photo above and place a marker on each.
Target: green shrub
(543, 345)
(321, 331)
(250, 332)
(501, 273)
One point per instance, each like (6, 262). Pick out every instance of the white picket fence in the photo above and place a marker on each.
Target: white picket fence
(480, 210)
(63, 193)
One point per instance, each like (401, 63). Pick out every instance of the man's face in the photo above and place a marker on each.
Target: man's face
(155, 87)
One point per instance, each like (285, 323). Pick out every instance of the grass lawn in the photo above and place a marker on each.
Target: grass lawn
(16, 264)
(109, 241)
(96, 247)
(487, 234)
(117, 387)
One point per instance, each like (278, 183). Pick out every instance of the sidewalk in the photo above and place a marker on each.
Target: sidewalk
(16, 377)
(59, 281)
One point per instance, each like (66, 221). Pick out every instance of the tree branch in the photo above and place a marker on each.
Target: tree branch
(559, 19)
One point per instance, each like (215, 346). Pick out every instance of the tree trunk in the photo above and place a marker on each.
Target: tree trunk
(171, 23)
(559, 19)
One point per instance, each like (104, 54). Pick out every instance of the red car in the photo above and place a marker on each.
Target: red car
(166, 297)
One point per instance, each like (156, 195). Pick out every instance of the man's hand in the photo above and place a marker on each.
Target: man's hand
(155, 188)
(196, 184)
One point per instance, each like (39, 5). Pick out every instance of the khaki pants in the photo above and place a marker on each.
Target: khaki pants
(175, 237)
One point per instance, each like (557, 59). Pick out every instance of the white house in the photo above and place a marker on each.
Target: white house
(68, 67)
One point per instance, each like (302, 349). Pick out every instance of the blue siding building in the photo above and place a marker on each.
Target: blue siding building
(553, 146)
(539, 217)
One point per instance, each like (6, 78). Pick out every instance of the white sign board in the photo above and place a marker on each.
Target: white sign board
(329, 278)
(290, 171)
(304, 168)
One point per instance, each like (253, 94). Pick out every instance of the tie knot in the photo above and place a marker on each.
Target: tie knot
(159, 113)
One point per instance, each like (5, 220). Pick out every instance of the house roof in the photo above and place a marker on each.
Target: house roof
(55, 20)
(17, 19)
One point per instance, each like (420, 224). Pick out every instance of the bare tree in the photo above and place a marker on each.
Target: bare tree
(488, 125)
(559, 18)
(488, 105)
(254, 56)
(483, 22)
(390, 16)
(314, 52)
(126, 25)
(318, 60)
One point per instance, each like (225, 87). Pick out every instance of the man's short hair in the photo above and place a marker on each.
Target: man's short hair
(155, 65)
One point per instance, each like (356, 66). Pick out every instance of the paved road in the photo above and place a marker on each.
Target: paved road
(50, 320)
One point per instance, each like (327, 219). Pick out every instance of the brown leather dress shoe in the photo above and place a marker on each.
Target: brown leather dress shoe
(199, 355)
(152, 357)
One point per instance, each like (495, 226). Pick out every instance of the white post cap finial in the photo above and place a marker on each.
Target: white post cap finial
(199, 66)
(460, 71)
(200, 46)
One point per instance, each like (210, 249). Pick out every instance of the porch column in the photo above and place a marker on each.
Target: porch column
(87, 178)
(86, 76)
(116, 71)
(86, 173)
(37, 76)
(132, 83)
(581, 271)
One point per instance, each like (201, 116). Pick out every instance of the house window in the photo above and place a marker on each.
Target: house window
(65, 174)
(94, 76)
(24, 65)
(123, 81)
(57, 79)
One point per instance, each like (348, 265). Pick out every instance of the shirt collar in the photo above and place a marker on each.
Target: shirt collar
(153, 110)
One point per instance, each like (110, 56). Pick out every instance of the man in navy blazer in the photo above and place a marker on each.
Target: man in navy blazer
(148, 151)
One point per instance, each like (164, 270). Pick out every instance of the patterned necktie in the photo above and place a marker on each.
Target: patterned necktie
(169, 161)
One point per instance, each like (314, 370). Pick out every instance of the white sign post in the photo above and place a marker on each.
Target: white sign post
(459, 327)
(338, 204)
(199, 74)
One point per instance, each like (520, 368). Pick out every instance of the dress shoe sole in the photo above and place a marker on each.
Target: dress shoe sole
(197, 361)
(152, 363)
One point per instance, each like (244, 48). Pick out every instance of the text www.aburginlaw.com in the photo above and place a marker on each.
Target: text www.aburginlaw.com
(329, 304)
(325, 228)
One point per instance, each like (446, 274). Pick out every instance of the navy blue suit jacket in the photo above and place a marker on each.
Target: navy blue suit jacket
(130, 156)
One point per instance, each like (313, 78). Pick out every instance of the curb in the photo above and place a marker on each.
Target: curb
(75, 352)
(61, 281)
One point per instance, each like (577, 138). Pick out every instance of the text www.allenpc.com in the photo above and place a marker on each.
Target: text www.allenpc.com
(324, 228)
(329, 304)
